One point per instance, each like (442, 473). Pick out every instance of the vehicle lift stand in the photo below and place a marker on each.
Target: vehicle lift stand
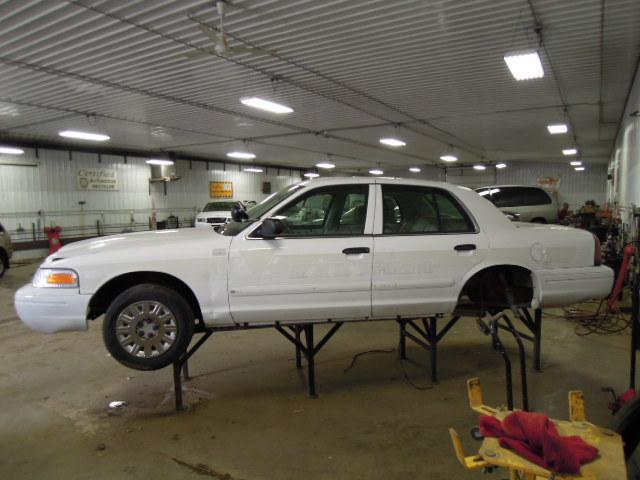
(293, 333)
(302, 337)
(427, 336)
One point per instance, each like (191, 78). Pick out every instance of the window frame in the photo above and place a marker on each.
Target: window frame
(443, 191)
(370, 201)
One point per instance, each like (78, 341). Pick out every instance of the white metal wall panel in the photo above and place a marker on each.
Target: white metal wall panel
(51, 189)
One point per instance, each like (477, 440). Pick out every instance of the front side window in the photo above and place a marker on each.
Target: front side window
(416, 210)
(339, 210)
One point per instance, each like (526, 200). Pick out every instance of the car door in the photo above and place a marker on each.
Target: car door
(424, 245)
(318, 268)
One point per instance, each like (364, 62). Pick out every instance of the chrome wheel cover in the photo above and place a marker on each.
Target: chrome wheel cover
(146, 329)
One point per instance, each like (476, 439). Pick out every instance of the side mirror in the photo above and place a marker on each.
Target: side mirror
(238, 213)
(271, 228)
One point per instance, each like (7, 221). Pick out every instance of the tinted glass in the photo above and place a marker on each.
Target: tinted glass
(219, 206)
(327, 211)
(515, 196)
(408, 210)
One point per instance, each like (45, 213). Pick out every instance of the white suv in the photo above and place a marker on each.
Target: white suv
(531, 204)
(215, 214)
(334, 249)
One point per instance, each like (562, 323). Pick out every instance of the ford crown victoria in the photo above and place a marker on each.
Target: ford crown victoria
(336, 249)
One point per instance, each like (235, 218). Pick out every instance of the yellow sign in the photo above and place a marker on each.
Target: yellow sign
(221, 189)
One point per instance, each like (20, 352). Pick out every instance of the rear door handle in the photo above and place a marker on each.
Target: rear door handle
(355, 250)
(465, 247)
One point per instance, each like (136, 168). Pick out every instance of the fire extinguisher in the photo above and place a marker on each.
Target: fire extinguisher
(53, 234)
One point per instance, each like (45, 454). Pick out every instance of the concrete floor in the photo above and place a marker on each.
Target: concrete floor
(248, 414)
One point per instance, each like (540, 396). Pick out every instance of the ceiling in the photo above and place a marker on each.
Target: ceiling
(431, 71)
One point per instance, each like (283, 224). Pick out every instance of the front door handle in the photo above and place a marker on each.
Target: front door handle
(465, 247)
(355, 250)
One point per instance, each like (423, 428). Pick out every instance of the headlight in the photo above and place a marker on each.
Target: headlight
(55, 278)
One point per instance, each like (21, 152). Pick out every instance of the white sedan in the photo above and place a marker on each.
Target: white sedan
(335, 249)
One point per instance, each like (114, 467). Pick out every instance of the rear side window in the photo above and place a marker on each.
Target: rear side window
(416, 210)
(516, 196)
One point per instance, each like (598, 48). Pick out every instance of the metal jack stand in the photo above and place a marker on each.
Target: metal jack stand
(494, 331)
(426, 336)
(307, 348)
(181, 368)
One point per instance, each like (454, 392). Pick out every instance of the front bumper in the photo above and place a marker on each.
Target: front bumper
(52, 310)
(565, 286)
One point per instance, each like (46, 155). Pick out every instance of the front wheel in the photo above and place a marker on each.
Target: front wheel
(148, 327)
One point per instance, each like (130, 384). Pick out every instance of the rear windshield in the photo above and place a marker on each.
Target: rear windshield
(219, 206)
(515, 196)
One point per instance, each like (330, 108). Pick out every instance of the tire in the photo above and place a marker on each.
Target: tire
(4, 262)
(627, 424)
(148, 327)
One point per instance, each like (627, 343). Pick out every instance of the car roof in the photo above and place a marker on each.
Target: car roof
(383, 180)
(505, 186)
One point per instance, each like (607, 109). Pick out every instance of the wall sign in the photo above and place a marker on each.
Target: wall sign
(97, 179)
(221, 189)
(549, 182)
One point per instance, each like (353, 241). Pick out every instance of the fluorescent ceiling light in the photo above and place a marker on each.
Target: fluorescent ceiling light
(159, 161)
(557, 128)
(569, 151)
(579, 169)
(392, 142)
(312, 175)
(491, 191)
(253, 169)
(449, 158)
(242, 155)
(376, 171)
(501, 165)
(575, 163)
(524, 65)
(267, 105)
(96, 137)
(479, 167)
(325, 165)
(415, 170)
(11, 151)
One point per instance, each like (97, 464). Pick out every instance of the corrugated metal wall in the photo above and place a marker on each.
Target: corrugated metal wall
(47, 194)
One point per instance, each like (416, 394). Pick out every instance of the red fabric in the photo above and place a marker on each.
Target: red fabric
(536, 438)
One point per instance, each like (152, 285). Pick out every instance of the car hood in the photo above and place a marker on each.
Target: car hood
(215, 213)
(144, 243)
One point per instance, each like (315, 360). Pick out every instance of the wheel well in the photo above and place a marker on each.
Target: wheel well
(4, 258)
(101, 300)
(485, 288)
(539, 220)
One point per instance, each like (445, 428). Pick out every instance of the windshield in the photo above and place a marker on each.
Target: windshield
(257, 211)
(219, 206)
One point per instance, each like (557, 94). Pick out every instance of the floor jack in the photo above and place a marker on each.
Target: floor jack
(609, 466)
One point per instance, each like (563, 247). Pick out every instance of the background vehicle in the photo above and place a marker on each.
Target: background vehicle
(6, 250)
(532, 204)
(215, 214)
